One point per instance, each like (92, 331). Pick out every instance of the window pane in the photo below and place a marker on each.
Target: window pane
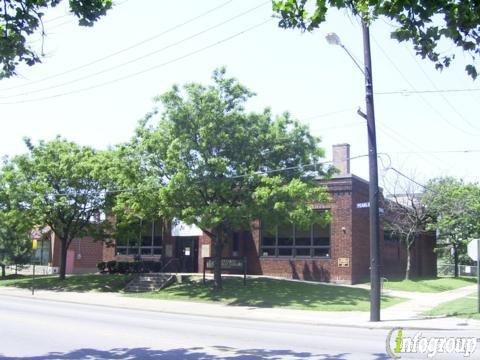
(268, 252)
(157, 233)
(157, 251)
(147, 240)
(321, 235)
(302, 236)
(285, 251)
(157, 224)
(321, 252)
(236, 242)
(268, 235)
(146, 250)
(121, 250)
(285, 235)
(303, 251)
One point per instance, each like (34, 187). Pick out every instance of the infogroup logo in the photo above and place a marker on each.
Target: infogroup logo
(399, 345)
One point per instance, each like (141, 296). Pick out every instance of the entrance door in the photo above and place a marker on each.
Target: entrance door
(186, 249)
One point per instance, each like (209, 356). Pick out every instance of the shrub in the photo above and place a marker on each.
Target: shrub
(112, 266)
(102, 266)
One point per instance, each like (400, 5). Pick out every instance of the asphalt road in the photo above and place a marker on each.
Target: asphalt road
(41, 329)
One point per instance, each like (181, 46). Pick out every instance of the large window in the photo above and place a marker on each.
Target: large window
(290, 240)
(142, 238)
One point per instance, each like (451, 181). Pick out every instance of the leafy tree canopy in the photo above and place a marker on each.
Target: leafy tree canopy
(15, 244)
(211, 163)
(455, 206)
(423, 22)
(19, 19)
(62, 185)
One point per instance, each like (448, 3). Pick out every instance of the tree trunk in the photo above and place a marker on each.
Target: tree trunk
(217, 261)
(408, 265)
(63, 258)
(16, 269)
(455, 260)
(3, 270)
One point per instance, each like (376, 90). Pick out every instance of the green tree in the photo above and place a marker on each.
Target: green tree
(425, 23)
(62, 185)
(19, 19)
(15, 244)
(455, 207)
(217, 166)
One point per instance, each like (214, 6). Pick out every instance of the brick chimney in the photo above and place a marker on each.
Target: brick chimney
(341, 158)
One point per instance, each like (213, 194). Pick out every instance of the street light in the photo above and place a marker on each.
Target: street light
(333, 39)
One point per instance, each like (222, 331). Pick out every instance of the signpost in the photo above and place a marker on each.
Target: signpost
(35, 234)
(473, 250)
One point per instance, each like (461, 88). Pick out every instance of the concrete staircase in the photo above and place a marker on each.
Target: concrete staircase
(150, 282)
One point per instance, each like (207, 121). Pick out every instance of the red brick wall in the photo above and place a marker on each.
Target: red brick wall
(87, 254)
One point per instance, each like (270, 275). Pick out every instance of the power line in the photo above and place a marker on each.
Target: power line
(133, 46)
(442, 95)
(141, 71)
(435, 91)
(438, 151)
(421, 96)
(112, 68)
(301, 167)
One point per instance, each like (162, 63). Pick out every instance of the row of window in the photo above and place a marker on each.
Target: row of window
(285, 240)
(148, 241)
(293, 241)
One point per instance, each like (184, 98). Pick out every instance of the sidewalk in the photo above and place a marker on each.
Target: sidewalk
(400, 315)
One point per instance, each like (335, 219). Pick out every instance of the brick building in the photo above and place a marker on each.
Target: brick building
(338, 252)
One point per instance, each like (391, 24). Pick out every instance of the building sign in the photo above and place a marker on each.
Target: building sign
(238, 264)
(363, 205)
(205, 250)
(343, 262)
(366, 205)
(227, 263)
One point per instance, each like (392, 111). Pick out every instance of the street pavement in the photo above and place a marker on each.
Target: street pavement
(45, 329)
(70, 325)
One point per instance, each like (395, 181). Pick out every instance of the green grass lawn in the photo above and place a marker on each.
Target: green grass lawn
(81, 283)
(263, 292)
(429, 285)
(465, 307)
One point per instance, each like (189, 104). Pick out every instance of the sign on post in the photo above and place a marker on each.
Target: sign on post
(238, 264)
(473, 250)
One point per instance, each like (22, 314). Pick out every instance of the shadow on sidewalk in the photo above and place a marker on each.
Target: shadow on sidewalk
(195, 353)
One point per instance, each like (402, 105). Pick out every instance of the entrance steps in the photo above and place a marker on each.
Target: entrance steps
(150, 282)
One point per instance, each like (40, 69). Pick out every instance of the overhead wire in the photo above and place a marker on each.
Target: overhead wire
(128, 48)
(440, 115)
(447, 101)
(109, 82)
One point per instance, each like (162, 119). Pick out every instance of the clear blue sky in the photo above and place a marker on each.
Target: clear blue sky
(76, 94)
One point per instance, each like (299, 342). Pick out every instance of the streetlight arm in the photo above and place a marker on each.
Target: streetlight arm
(353, 59)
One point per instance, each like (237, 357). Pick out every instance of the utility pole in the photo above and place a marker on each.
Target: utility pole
(374, 193)
(373, 182)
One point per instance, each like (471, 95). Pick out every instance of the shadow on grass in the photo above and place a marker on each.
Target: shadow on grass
(79, 283)
(196, 353)
(262, 292)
